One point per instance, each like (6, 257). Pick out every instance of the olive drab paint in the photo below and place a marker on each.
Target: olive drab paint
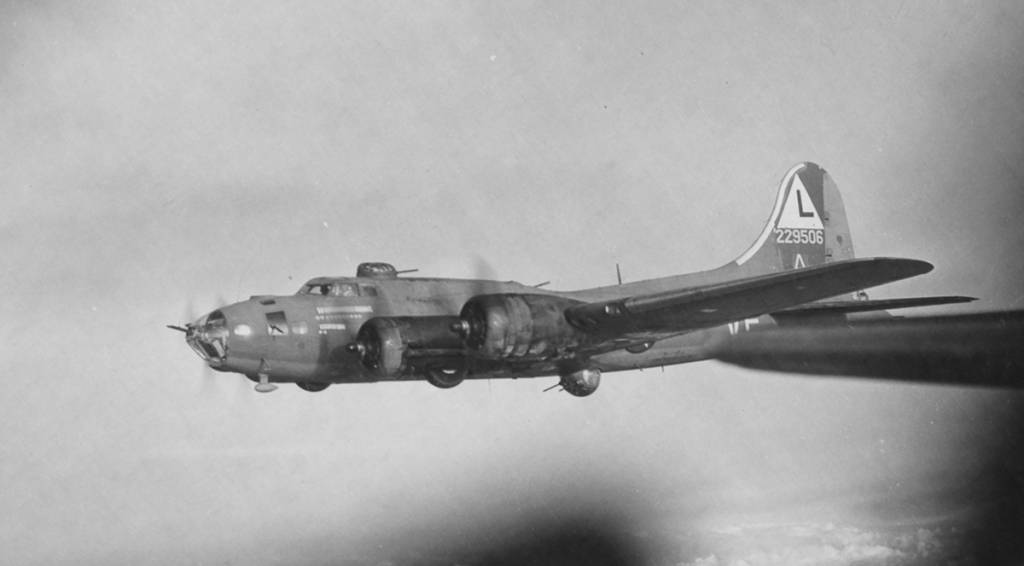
(378, 326)
(807, 226)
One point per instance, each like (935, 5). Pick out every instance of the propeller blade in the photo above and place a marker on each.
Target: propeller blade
(483, 273)
(178, 328)
(482, 269)
(208, 383)
(190, 311)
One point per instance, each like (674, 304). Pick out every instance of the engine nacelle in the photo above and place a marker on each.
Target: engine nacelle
(512, 326)
(582, 382)
(388, 345)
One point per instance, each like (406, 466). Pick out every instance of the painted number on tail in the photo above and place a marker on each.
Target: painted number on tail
(799, 236)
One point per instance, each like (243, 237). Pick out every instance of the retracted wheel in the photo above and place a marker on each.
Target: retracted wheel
(445, 377)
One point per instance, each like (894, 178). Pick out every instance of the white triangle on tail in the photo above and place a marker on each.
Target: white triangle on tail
(799, 211)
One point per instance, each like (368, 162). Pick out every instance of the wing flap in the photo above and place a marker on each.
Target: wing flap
(688, 309)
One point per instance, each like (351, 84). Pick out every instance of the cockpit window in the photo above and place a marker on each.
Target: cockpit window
(337, 290)
(317, 289)
(345, 290)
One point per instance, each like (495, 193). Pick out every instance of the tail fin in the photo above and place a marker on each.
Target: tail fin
(807, 225)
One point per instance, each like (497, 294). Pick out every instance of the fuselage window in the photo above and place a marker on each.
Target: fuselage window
(277, 325)
(368, 290)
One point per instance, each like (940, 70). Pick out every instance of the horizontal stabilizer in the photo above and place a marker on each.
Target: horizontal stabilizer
(691, 308)
(842, 307)
(972, 349)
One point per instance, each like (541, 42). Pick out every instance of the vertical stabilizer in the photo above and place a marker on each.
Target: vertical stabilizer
(807, 225)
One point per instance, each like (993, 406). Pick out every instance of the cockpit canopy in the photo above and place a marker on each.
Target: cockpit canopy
(345, 287)
(328, 287)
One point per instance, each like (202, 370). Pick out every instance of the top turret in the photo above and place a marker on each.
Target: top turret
(377, 270)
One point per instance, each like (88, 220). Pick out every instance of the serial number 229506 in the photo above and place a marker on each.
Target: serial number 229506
(799, 236)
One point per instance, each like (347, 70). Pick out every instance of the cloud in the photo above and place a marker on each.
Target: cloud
(824, 544)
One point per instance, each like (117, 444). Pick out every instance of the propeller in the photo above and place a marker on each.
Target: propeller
(189, 316)
(482, 269)
(483, 276)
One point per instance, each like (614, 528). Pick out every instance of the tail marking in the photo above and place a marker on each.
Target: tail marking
(769, 228)
(799, 211)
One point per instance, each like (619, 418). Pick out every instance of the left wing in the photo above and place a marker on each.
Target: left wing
(867, 305)
(655, 315)
(985, 349)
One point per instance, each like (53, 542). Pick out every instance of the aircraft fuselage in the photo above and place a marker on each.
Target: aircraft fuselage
(305, 337)
(378, 326)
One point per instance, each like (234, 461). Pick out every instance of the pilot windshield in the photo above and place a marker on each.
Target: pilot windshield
(345, 290)
(317, 289)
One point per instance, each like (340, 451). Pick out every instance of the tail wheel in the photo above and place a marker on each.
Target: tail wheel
(312, 387)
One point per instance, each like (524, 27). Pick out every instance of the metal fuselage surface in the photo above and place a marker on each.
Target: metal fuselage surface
(304, 337)
(446, 330)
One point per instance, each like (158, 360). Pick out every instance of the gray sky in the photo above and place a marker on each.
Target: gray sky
(161, 157)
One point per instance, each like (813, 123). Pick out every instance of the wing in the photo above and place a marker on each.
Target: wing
(969, 349)
(847, 307)
(656, 315)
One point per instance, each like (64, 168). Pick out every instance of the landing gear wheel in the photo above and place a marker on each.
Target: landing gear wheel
(445, 378)
(312, 386)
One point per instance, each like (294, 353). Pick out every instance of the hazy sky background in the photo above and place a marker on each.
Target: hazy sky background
(161, 157)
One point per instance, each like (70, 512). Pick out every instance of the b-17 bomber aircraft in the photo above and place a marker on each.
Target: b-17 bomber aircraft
(798, 282)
